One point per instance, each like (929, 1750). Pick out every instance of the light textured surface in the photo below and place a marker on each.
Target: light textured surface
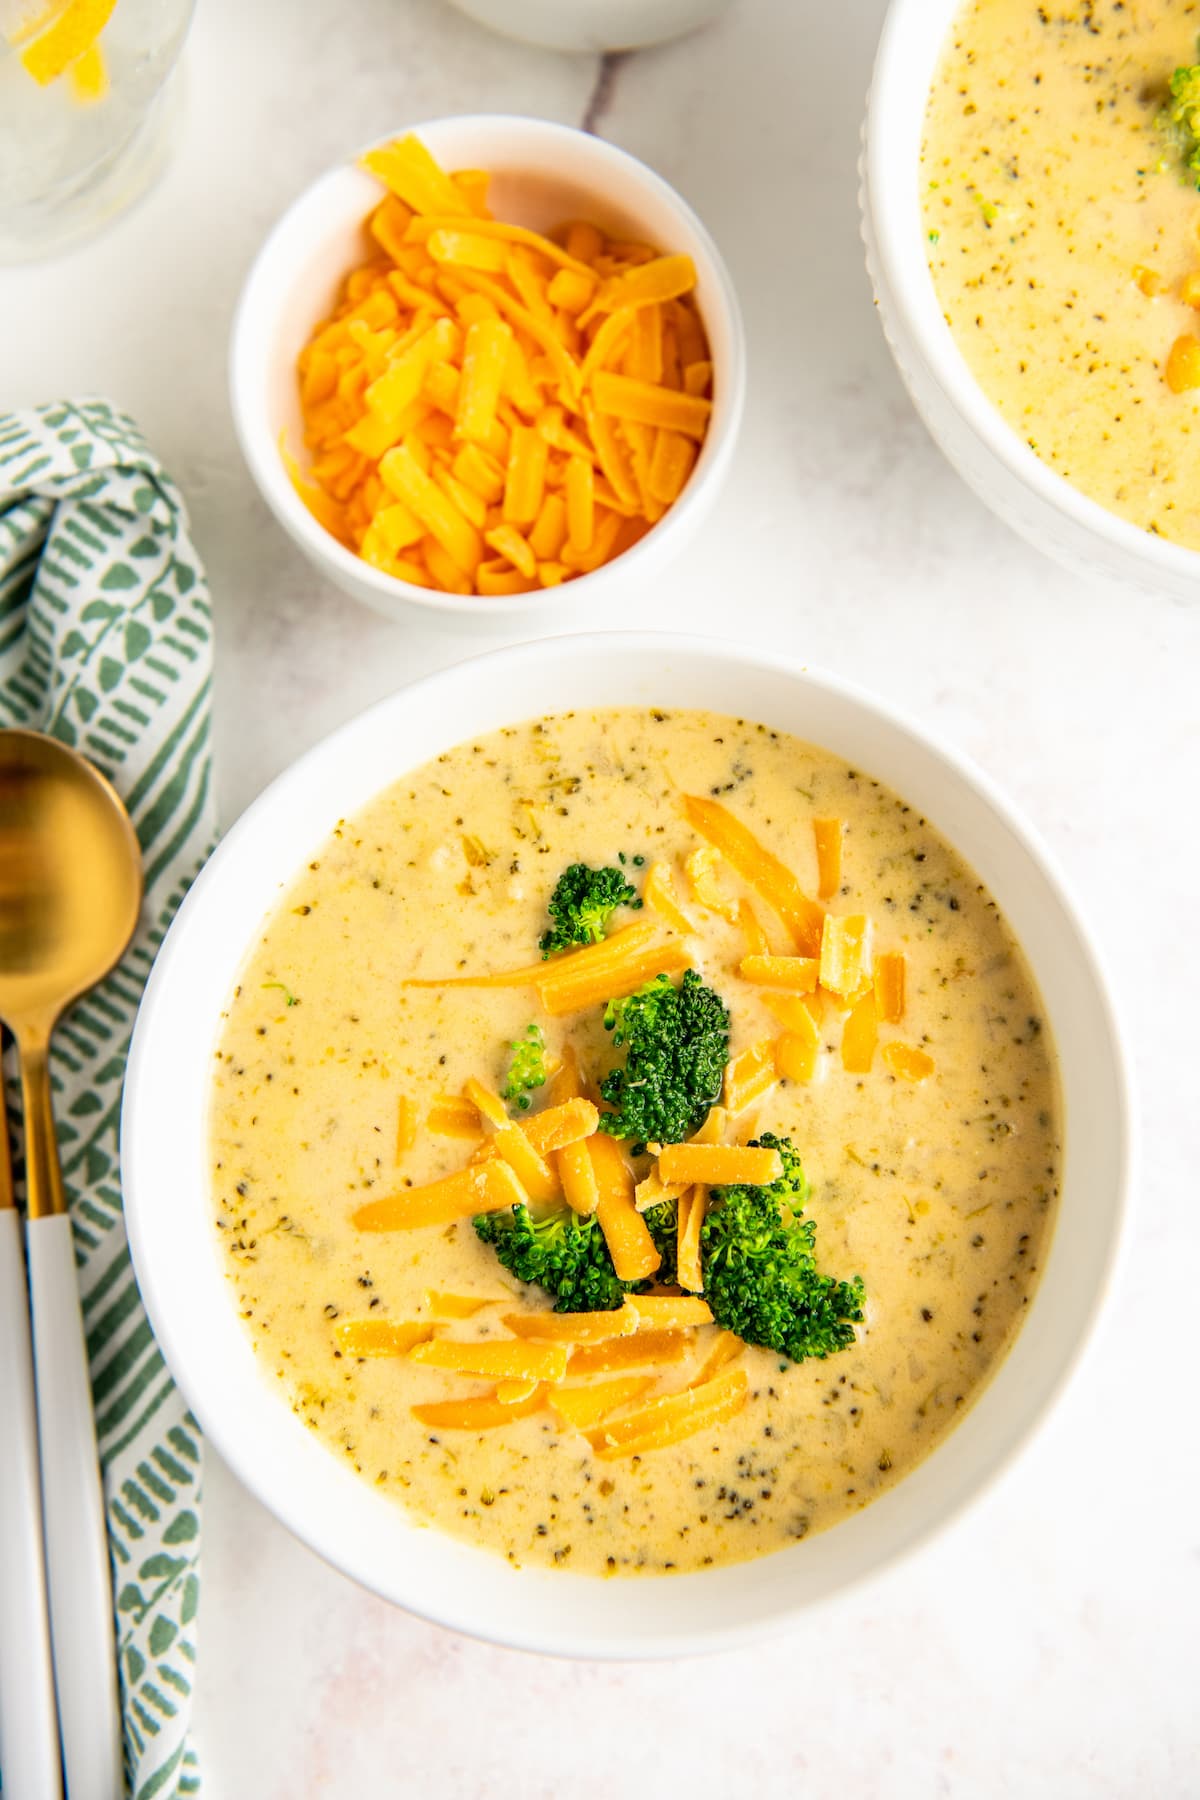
(1045, 1647)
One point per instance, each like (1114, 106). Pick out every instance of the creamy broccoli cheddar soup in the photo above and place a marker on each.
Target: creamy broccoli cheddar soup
(1061, 228)
(774, 1120)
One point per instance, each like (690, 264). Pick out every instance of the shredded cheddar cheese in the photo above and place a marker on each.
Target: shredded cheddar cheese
(491, 411)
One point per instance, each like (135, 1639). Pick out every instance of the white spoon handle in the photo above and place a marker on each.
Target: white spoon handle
(29, 1762)
(81, 1603)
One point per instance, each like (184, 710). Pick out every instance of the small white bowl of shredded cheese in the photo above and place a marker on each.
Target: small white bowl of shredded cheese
(540, 176)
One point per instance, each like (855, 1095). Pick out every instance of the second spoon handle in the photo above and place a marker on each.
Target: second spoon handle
(82, 1636)
(28, 1727)
(81, 1602)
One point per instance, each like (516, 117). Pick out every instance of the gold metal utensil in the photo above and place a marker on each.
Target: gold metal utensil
(29, 1756)
(70, 890)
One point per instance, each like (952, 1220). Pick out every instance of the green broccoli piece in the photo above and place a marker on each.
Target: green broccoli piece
(1180, 119)
(581, 905)
(526, 1068)
(563, 1253)
(662, 1222)
(567, 1254)
(760, 1276)
(676, 1046)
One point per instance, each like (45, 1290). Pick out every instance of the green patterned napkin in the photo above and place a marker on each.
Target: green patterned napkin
(105, 643)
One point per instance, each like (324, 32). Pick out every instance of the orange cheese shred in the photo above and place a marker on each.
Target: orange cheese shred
(667, 1311)
(406, 1125)
(654, 1191)
(406, 167)
(671, 462)
(453, 1116)
(860, 1035)
(907, 1062)
(482, 1412)
(456, 1306)
(609, 970)
(577, 1176)
(511, 1359)
(381, 1337)
(659, 894)
(796, 1050)
(647, 284)
(559, 1126)
(713, 1128)
(634, 1252)
(647, 403)
(828, 835)
(672, 1418)
(528, 976)
(689, 1271)
(468, 248)
(760, 868)
(421, 229)
(573, 1328)
(797, 973)
(889, 986)
(845, 953)
(719, 1163)
(512, 1393)
(480, 1187)
(644, 1350)
(401, 471)
(725, 1348)
(485, 358)
(749, 1075)
(511, 1143)
(587, 1405)
(702, 868)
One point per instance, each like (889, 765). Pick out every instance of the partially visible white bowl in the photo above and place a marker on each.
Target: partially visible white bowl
(165, 1171)
(592, 25)
(990, 456)
(542, 174)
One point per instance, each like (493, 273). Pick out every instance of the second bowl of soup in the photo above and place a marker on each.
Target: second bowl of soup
(621, 1098)
(1031, 222)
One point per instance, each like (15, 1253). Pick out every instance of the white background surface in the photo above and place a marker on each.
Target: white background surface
(1047, 1645)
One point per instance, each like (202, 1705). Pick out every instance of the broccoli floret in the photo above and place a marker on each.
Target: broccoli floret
(527, 1067)
(1180, 118)
(760, 1276)
(567, 1254)
(662, 1222)
(563, 1253)
(583, 902)
(676, 1046)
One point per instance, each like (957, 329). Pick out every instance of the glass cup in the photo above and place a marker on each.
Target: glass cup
(85, 110)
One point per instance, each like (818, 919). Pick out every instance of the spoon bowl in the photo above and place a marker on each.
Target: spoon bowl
(70, 878)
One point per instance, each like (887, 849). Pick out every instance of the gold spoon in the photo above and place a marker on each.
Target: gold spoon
(70, 891)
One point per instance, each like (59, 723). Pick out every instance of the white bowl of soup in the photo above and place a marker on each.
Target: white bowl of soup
(1030, 249)
(540, 177)
(301, 1080)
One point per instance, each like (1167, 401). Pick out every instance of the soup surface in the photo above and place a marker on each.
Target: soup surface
(940, 1193)
(1060, 233)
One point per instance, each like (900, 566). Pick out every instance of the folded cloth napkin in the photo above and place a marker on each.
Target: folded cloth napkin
(105, 643)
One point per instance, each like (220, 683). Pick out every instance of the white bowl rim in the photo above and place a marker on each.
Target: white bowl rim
(906, 270)
(262, 453)
(663, 1643)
